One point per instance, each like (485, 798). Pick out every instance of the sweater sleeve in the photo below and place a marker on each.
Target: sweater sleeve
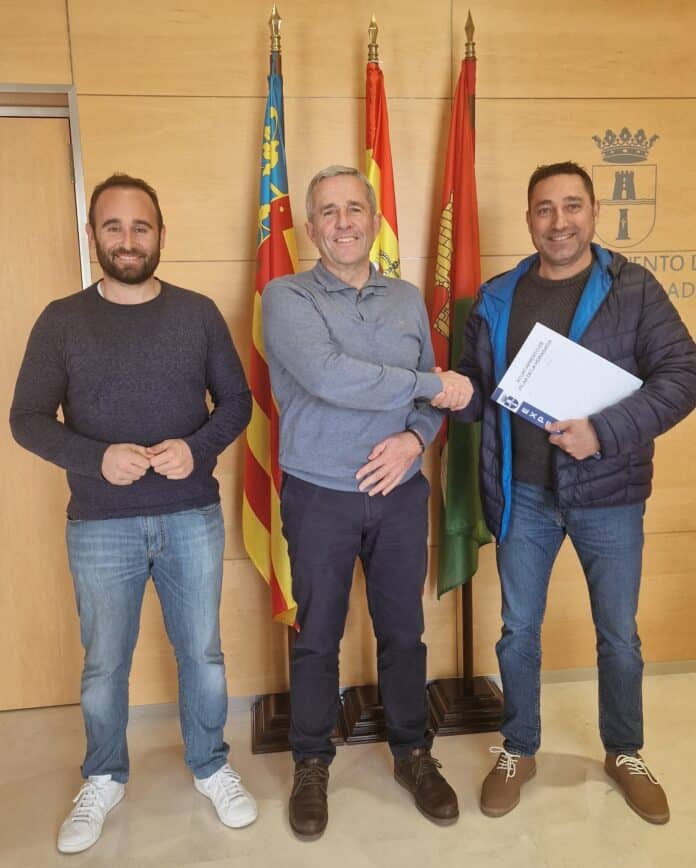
(425, 419)
(40, 390)
(666, 357)
(298, 336)
(228, 389)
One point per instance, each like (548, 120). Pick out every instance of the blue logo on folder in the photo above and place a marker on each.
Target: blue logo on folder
(534, 415)
(527, 411)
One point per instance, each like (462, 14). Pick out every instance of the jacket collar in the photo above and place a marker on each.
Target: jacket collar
(504, 285)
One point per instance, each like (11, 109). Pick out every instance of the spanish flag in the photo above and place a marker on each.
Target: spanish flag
(385, 250)
(275, 256)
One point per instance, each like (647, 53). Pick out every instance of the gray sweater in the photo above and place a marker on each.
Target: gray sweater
(130, 374)
(348, 369)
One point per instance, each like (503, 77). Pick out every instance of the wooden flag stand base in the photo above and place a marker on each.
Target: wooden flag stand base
(360, 720)
(467, 704)
(364, 715)
(270, 724)
(461, 706)
(457, 705)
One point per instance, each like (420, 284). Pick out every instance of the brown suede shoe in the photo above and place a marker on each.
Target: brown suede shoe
(500, 792)
(418, 773)
(641, 789)
(309, 813)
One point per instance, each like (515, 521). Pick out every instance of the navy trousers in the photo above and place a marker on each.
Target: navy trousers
(326, 531)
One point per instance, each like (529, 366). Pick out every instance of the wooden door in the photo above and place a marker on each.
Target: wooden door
(40, 653)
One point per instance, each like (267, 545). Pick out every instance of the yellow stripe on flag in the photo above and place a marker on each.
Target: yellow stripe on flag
(257, 326)
(256, 540)
(258, 436)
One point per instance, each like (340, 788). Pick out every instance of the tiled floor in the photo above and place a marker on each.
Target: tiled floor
(570, 814)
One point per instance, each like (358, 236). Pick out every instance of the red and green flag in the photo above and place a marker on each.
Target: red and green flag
(275, 256)
(457, 279)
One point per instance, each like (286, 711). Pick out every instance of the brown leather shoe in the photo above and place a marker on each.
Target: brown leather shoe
(640, 787)
(500, 792)
(309, 813)
(435, 798)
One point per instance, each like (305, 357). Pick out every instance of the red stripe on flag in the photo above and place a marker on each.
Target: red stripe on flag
(259, 381)
(377, 139)
(256, 489)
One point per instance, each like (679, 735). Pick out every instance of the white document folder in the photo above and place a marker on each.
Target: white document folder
(553, 378)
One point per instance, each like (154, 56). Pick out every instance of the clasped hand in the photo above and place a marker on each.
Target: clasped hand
(456, 391)
(124, 463)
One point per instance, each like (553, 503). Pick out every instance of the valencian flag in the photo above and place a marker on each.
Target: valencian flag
(385, 249)
(457, 279)
(275, 255)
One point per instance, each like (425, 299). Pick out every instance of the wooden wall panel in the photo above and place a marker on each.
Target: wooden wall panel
(220, 48)
(39, 642)
(668, 597)
(186, 48)
(594, 49)
(34, 45)
(201, 155)
(513, 138)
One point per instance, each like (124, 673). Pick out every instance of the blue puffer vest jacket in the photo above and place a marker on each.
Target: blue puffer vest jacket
(623, 315)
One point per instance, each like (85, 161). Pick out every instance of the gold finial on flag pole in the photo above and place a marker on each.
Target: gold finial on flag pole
(372, 47)
(274, 23)
(470, 44)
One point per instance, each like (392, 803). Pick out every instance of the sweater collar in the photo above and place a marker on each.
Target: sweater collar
(376, 282)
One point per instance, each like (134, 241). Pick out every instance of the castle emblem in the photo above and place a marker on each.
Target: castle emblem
(625, 186)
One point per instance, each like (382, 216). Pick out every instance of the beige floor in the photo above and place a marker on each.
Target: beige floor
(569, 816)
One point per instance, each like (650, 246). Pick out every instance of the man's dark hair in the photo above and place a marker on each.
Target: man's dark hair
(119, 179)
(541, 173)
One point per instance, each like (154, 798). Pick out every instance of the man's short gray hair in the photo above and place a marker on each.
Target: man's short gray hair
(333, 172)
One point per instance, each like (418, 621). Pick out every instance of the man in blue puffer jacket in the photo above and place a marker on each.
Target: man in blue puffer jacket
(587, 478)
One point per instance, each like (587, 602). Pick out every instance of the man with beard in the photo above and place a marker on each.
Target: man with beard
(585, 478)
(130, 360)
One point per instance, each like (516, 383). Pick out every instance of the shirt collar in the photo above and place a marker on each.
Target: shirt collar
(376, 282)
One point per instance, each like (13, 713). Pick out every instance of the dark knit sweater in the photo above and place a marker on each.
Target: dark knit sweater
(552, 303)
(130, 374)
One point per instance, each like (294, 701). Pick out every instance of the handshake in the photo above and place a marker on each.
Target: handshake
(456, 391)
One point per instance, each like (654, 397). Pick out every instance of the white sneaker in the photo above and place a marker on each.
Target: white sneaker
(234, 805)
(83, 825)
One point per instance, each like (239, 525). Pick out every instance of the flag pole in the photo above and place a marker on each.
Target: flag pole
(363, 711)
(270, 713)
(466, 703)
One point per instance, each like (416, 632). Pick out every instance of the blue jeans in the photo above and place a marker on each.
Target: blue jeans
(609, 543)
(111, 561)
